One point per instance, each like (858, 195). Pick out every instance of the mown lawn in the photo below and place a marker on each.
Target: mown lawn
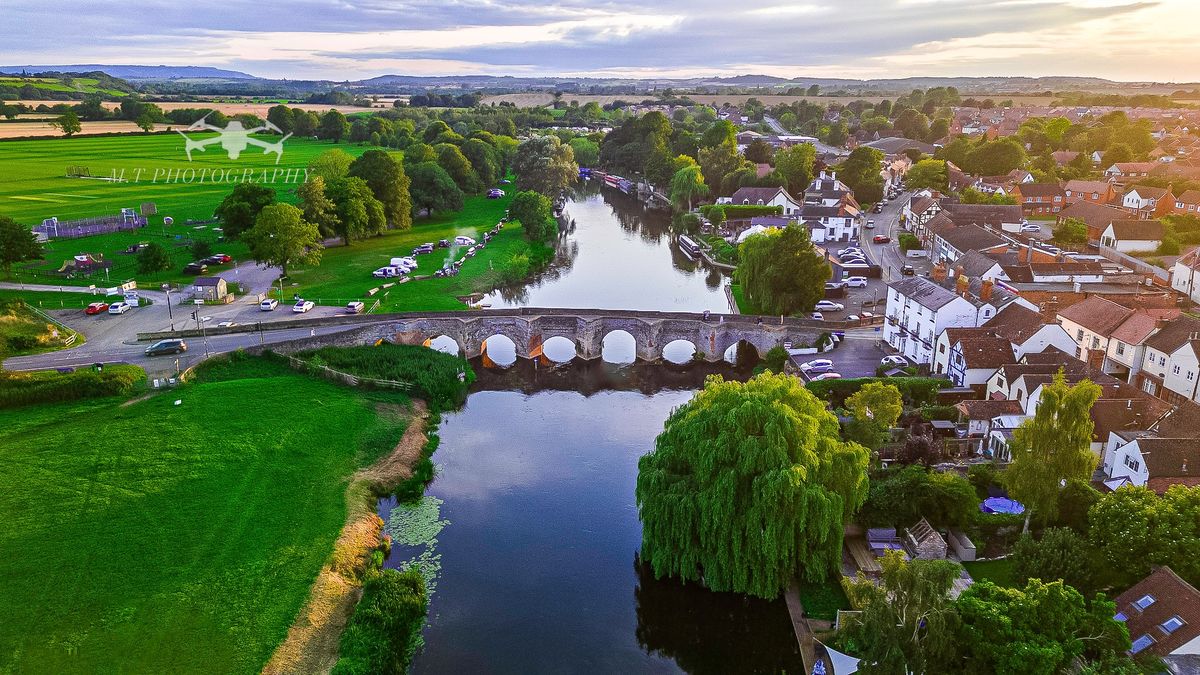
(163, 538)
(345, 271)
(999, 572)
(822, 601)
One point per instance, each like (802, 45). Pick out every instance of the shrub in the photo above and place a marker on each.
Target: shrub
(909, 242)
(1074, 500)
(19, 343)
(385, 630)
(774, 360)
(20, 389)
(916, 391)
(735, 211)
(901, 498)
(1061, 553)
(434, 376)
(982, 477)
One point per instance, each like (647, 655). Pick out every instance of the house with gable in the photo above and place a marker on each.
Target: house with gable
(767, 196)
(1128, 236)
(1039, 199)
(1162, 614)
(1171, 365)
(1096, 216)
(1093, 191)
(1145, 202)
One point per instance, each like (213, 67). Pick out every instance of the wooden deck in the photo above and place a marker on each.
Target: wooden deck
(864, 559)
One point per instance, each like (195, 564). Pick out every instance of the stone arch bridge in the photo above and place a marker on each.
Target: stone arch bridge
(529, 328)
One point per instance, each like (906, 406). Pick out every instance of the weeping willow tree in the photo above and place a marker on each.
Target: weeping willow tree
(748, 485)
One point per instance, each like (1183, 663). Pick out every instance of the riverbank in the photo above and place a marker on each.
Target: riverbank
(312, 643)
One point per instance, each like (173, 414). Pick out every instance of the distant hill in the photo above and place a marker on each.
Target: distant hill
(137, 72)
(57, 86)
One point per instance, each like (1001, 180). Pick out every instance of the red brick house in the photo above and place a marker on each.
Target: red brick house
(1162, 613)
(1039, 199)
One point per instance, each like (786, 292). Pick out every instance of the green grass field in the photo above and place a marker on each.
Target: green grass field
(999, 572)
(162, 538)
(35, 186)
(85, 85)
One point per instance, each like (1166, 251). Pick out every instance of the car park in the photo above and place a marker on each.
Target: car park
(856, 282)
(423, 248)
(119, 307)
(196, 268)
(268, 305)
(303, 306)
(354, 306)
(894, 360)
(96, 308)
(464, 240)
(829, 306)
(166, 347)
(881, 239)
(817, 365)
(826, 376)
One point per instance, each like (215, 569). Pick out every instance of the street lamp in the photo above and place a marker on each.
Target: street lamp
(167, 289)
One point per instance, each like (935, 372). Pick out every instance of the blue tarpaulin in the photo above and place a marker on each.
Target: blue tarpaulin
(1001, 505)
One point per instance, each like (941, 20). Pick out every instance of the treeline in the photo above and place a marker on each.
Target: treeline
(1083, 98)
(435, 100)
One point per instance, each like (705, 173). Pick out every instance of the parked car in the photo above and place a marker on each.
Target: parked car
(881, 239)
(850, 249)
(166, 347)
(826, 376)
(894, 360)
(227, 324)
(443, 243)
(817, 316)
(1030, 227)
(407, 263)
(218, 259)
(96, 308)
(817, 366)
(829, 306)
(907, 270)
(268, 305)
(303, 306)
(119, 307)
(834, 285)
(195, 268)
(464, 240)
(878, 208)
(854, 260)
(423, 248)
(870, 224)
(354, 306)
(856, 282)
(505, 181)
(495, 193)
(386, 272)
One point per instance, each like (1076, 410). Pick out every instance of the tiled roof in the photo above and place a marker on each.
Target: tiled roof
(1016, 323)
(1182, 422)
(754, 194)
(970, 237)
(1097, 314)
(986, 352)
(1172, 597)
(1178, 332)
(974, 263)
(1135, 329)
(1064, 156)
(1137, 230)
(983, 214)
(1087, 186)
(921, 204)
(1189, 197)
(986, 410)
(1148, 192)
(1171, 457)
(1045, 190)
(923, 292)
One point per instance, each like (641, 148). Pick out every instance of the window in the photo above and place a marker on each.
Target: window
(1120, 616)
(1135, 465)
(1171, 625)
(941, 349)
(1190, 374)
(1120, 348)
(1079, 335)
(1095, 342)
(1162, 360)
(1175, 369)
(1143, 602)
(1141, 643)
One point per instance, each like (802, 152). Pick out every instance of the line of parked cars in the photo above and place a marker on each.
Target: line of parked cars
(198, 267)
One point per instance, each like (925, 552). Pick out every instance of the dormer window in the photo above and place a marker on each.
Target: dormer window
(1143, 602)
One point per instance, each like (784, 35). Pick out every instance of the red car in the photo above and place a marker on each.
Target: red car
(881, 239)
(96, 308)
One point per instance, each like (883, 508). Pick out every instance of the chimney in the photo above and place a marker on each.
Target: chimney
(939, 273)
(985, 290)
(963, 285)
(1161, 322)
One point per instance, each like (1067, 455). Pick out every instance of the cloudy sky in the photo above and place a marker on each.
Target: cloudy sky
(351, 39)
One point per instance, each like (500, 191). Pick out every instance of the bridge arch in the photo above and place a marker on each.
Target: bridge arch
(618, 346)
(445, 344)
(680, 351)
(499, 350)
(742, 352)
(560, 349)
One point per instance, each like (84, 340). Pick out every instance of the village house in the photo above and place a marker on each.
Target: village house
(1094, 325)
(1037, 199)
(1172, 363)
(1188, 203)
(1094, 191)
(1145, 202)
(1129, 236)
(1023, 330)
(1127, 170)
(1162, 613)
(1095, 215)
(765, 196)
(210, 289)
(951, 242)
(918, 211)
(1185, 275)
(830, 223)
(1001, 217)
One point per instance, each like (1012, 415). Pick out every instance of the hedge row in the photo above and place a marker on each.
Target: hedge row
(435, 376)
(737, 211)
(21, 389)
(916, 391)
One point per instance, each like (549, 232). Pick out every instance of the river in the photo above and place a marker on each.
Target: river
(529, 532)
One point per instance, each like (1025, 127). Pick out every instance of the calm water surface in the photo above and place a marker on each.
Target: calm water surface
(538, 557)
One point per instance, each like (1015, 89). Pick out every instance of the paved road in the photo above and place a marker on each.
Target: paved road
(822, 148)
(888, 255)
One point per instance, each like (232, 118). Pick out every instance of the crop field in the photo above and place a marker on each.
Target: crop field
(164, 538)
(34, 186)
(345, 271)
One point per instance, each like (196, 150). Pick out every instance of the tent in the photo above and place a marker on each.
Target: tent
(843, 664)
(750, 232)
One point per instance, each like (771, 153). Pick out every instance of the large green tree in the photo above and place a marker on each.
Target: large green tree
(456, 164)
(334, 127)
(17, 244)
(908, 620)
(718, 162)
(545, 164)
(533, 210)
(861, 172)
(795, 166)
(874, 409)
(1133, 528)
(484, 158)
(153, 259)
(1071, 231)
(316, 205)
(587, 152)
(387, 180)
(68, 123)
(781, 272)
(1059, 554)
(927, 173)
(1052, 446)
(281, 237)
(359, 213)
(749, 484)
(433, 189)
(282, 117)
(687, 186)
(240, 208)
(331, 165)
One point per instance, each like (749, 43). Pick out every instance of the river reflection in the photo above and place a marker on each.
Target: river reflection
(618, 255)
(538, 559)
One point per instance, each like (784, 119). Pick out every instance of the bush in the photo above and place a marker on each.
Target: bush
(736, 211)
(1059, 554)
(385, 630)
(916, 391)
(774, 360)
(982, 477)
(433, 375)
(939, 412)
(901, 498)
(908, 242)
(19, 343)
(1074, 500)
(20, 389)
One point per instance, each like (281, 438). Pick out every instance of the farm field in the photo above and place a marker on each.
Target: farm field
(345, 271)
(34, 186)
(234, 107)
(529, 100)
(156, 538)
(40, 129)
